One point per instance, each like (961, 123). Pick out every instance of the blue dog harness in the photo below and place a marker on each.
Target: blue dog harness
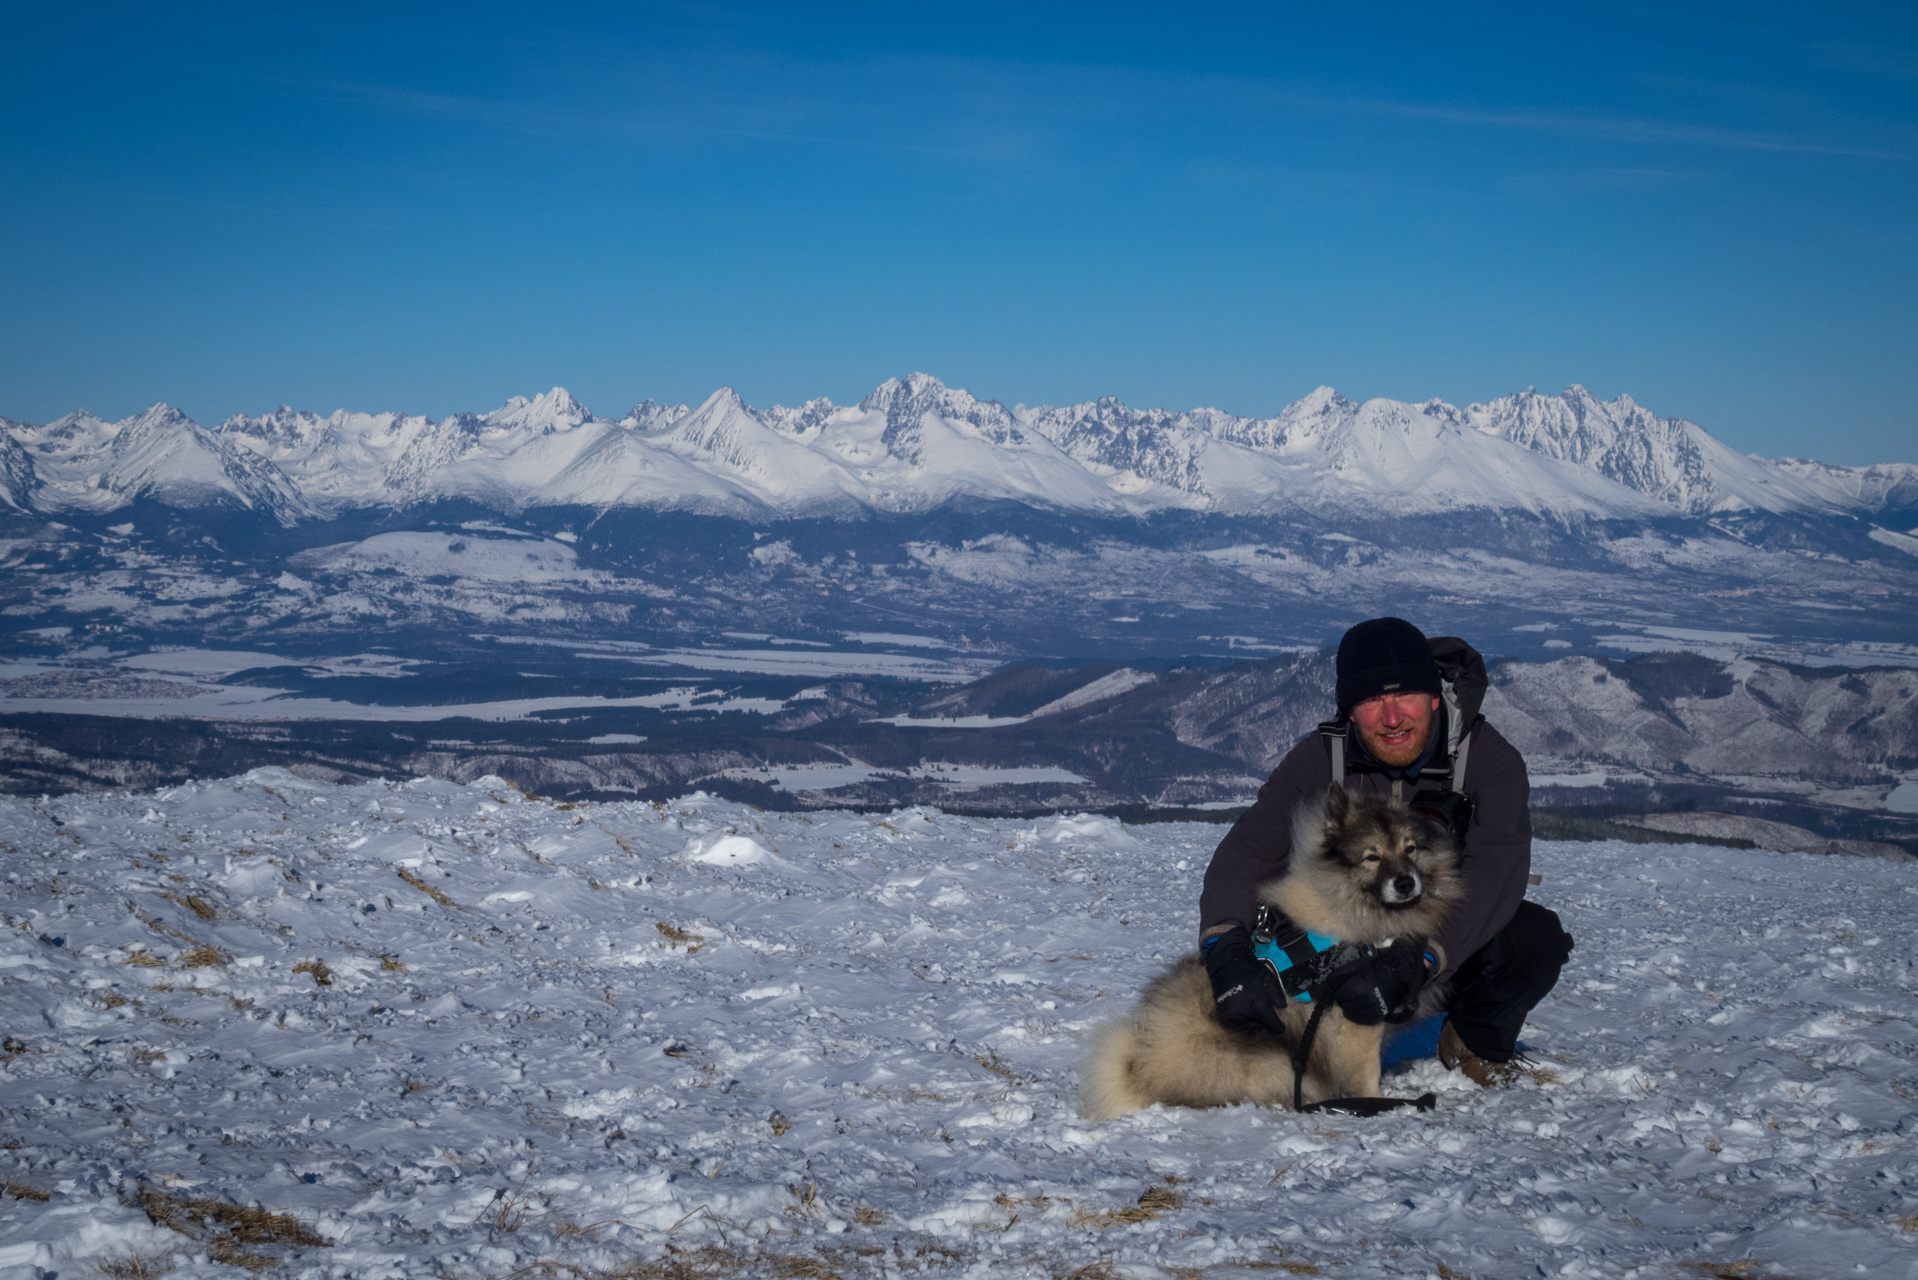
(1299, 958)
(1309, 965)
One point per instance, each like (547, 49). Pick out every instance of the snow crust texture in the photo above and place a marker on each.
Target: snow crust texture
(457, 1031)
(915, 444)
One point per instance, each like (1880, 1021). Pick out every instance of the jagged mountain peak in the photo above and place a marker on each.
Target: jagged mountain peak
(725, 398)
(160, 414)
(68, 428)
(649, 415)
(1580, 398)
(1323, 409)
(720, 413)
(804, 422)
(280, 428)
(81, 462)
(914, 386)
(554, 410)
(1321, 399)
(80, 420)
(81, 430)
(919, 392)
(906, 402)
(725, 429)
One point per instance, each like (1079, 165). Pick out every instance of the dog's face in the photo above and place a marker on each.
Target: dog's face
(1387, 852)
(1365, 868)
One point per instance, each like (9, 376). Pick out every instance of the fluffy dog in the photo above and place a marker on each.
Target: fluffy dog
(1363, 869)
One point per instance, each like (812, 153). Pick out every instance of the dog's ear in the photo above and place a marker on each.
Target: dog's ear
(1337, 805)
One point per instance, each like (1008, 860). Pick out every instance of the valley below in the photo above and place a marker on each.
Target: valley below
(1004, 672)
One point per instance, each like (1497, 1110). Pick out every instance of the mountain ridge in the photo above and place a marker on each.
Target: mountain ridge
(916, 444)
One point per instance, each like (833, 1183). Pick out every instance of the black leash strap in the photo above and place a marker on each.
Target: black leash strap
(1374, 1106)
(1322, 998)
(1323, 994)
(1304, 1051)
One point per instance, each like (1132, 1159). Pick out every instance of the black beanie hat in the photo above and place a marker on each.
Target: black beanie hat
(1385, 655)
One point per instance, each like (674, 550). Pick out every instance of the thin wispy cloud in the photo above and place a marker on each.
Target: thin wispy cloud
(546, 120)
(995, 111)
(1620, 129)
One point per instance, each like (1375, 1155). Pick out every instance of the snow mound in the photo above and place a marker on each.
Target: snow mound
(731, 851)
(458, 1030)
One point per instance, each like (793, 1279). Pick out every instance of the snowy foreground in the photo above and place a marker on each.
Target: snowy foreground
(432, 1030)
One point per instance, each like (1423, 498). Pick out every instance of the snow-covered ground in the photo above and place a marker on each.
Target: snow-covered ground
(454, 1031)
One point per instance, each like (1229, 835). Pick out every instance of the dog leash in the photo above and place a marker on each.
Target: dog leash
(1312, 968)
(1327, 991)
(1302, 1051)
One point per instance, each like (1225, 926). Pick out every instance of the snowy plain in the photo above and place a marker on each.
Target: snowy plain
(458, 1031)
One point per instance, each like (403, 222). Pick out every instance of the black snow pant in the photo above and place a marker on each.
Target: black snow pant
(1505, 979)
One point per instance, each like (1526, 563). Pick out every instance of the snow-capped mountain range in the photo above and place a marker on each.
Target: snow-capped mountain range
(915, 444)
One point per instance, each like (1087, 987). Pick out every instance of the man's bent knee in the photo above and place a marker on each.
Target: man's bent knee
(1537, 938)
(1506, 979)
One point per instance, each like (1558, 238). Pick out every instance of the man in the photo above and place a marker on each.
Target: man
(1408, 724)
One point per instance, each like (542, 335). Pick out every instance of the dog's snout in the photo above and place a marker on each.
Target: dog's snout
(1402, 889)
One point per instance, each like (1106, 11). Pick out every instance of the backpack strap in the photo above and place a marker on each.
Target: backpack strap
(1333, 731)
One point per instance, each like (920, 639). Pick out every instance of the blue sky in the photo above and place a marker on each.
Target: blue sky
(1710, 207)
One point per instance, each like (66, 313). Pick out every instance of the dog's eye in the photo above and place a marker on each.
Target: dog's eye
(1370, 857)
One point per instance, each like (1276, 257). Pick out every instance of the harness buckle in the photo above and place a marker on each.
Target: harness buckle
(1299, 958)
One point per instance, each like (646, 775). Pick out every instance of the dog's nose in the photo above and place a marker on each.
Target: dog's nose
(1405, 886)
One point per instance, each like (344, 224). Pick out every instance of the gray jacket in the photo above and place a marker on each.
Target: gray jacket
(1498, 848)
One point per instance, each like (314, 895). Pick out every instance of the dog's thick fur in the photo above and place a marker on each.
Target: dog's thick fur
(1346, 878)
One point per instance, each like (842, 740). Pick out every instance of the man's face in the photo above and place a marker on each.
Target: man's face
(1394, 726)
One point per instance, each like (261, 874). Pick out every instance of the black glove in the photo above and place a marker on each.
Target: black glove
(1384, 986)
(1244, 988)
